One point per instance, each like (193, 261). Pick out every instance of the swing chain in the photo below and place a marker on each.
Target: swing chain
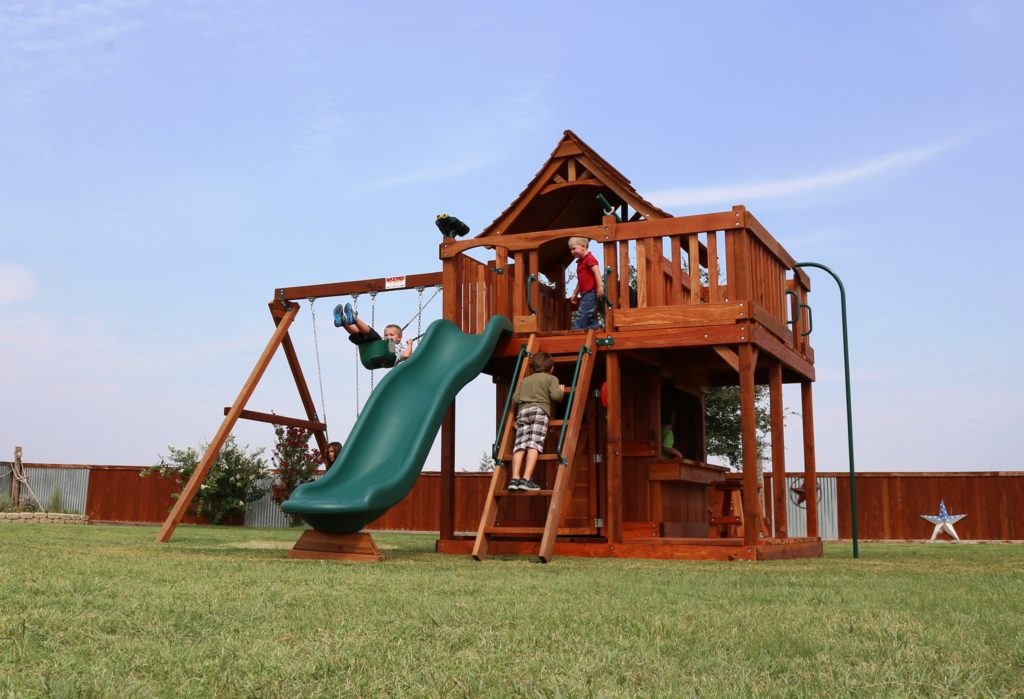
(419, 311)
(319, 372)
(355, 304)
(373, 324)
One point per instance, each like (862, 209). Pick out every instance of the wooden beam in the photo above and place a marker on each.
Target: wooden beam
(451, 301)
(363, 286)
(771, 344)
(714, 293)
(280, 420)
(730, 356)
(778, 449)
(447, 526)
(751, 501)
(631, 230)
(810, 468)
(192, 487)
(662, 317)
(613, 489)
(642, 339)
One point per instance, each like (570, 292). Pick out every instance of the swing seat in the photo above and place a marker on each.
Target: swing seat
(379, 354)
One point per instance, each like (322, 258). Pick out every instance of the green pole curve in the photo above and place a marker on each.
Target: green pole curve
(849, 406)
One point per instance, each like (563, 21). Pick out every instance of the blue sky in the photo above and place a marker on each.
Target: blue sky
(165, 165)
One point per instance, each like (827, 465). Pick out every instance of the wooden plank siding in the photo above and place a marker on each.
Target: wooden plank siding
(890, 504)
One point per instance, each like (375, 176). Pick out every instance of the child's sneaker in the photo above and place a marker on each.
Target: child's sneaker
(528, 485)
(339, 318)
(350, 315)
(514, 484)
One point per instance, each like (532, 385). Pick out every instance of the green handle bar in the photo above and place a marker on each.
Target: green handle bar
(810, 320)
(508, 402)
(568, 406)
(529, 293)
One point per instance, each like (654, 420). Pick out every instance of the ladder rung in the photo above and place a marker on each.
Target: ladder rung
(523, 492)
(564, 359)
(716, 519)
(556, 423)
(507, 458)
(514, 530)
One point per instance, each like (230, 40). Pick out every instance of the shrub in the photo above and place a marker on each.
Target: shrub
(294, 462)
(234, 479)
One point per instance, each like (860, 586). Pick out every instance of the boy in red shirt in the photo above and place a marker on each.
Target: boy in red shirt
(589, 285)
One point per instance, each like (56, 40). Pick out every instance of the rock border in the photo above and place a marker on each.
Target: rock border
(54, 517)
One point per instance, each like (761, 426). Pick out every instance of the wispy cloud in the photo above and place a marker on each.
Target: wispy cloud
(17, 283)
(775, 189)
(478, 133)
(451, 169)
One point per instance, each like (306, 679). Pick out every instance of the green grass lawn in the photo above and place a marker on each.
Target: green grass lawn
(106, 611)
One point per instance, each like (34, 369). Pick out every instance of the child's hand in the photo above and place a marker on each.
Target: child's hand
(574, 300)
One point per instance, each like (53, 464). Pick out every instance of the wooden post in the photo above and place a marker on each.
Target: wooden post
(447, 526)
(810, 468)
(613, 473)
(16, 477)
(451, 296)
(610, 260)
(192, 487)
(778, 451)
(502, 305)
(751, 503)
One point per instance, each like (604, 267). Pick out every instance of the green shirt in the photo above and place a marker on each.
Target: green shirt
(539, 390)
(668, 440)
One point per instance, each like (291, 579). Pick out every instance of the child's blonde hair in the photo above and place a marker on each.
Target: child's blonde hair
(582, 242)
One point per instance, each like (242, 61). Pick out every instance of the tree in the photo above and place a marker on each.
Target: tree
(486, 462)
(235, 478)
(294, 462)
(724, 426)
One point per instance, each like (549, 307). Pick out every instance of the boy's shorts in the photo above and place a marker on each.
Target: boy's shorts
(531, 429)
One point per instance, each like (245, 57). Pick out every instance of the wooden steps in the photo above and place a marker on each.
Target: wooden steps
(583, 357)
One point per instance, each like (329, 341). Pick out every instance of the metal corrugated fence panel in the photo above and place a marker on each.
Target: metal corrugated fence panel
(5, 478)
(71, 483)
(265, 512)
(828, 509)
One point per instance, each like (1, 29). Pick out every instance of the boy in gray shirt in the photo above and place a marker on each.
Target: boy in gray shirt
(533, 409)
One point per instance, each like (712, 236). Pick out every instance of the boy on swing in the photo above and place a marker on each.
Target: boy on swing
(360, 333)
(533, 409)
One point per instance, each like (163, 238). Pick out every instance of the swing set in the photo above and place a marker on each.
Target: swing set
(698, 302)
(284, 308)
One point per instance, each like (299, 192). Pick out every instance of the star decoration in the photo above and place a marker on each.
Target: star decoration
(943, 522)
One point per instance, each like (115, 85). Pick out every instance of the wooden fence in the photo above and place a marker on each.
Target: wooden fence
(890, 505)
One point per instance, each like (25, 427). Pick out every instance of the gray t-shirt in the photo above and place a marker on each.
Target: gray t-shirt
(538, 390)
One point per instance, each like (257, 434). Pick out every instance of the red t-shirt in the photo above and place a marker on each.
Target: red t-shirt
(584, 274)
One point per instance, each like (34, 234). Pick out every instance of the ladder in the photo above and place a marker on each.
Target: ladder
(575, 406)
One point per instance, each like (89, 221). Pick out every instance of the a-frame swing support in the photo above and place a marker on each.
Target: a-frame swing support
(284, 308)
(284, 315)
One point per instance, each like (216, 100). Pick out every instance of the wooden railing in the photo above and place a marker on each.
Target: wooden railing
(682, 276)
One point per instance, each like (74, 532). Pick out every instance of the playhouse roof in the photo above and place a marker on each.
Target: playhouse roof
(563, 193)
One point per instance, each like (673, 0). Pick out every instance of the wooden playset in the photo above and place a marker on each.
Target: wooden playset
(694, 302)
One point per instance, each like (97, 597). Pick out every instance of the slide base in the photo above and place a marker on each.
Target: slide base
(359, 547)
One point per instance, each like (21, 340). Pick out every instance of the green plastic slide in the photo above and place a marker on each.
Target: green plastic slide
(384, 454)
